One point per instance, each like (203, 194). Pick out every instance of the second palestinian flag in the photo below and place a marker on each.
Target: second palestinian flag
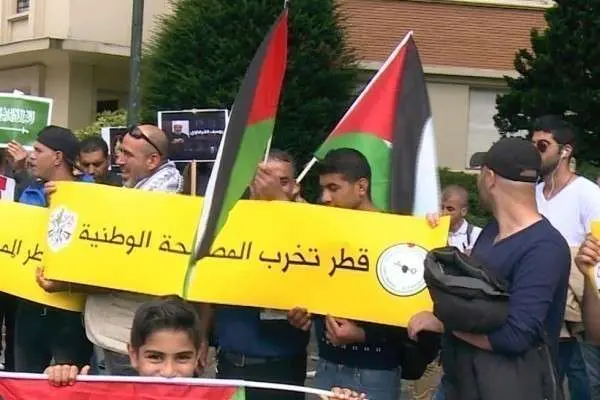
(390, 123)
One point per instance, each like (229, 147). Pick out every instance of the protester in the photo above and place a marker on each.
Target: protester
(257, 344)
(94, 161)
(143, 160)
(43, 333)
(570, 203)
(164, 342)
(587, 259)
(526, 250)
(361, 356)
(8, 303)
(455, 204)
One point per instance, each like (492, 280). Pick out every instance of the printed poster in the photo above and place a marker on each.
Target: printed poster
(113, 136)
(195, 134)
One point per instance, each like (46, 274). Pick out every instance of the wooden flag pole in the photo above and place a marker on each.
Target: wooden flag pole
(268, 149)
(193, 178)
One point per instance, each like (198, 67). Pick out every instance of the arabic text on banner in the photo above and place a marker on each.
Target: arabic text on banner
(270, 254)
(22, 248)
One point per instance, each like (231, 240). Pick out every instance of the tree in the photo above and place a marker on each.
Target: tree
(201, 53)
(104, 119)
(560, 75)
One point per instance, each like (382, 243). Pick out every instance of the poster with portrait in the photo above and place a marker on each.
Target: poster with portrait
(113, 137)
(195, 134)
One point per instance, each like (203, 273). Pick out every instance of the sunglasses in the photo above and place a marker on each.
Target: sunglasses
(136, 133)
(542, 145)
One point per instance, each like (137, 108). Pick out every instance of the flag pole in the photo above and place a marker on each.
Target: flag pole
(268, 149)
(306, 169)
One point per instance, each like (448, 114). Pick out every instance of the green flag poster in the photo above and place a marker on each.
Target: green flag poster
(23, 117)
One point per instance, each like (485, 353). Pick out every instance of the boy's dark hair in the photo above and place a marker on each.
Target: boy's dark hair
(165, 313)
(93, 143)
(349, 163)
(560, 129)
(284, 156)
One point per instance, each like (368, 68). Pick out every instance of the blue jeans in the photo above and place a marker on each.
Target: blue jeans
(591, 355)
(376, 384)
(439, 393)
(572, 365)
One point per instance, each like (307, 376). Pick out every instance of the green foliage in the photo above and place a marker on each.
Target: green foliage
(561, 75)
(592, 172)
(477, 214)
(104, 119)
(203, 49)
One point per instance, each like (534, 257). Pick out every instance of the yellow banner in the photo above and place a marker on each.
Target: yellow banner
(117, 238)
(22, 249)
(593, 272)
(360, 265)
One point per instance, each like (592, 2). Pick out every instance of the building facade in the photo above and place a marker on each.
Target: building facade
(74, 51)
(77, 52)
(466, 48)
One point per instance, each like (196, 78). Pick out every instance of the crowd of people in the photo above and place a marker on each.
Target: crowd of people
(538, 241)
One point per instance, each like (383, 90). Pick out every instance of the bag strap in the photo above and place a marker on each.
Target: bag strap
(469, 233)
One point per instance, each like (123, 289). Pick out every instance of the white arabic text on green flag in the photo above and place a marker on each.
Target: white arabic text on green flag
(23, 117)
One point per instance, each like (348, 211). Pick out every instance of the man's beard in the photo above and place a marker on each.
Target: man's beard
(549, 167)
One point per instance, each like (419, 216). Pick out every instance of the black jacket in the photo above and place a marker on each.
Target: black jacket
(468, 297)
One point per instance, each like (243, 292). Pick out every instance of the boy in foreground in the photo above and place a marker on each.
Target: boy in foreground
(165, 342)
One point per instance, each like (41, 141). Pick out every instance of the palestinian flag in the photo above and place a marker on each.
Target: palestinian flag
(247, 136)
(36, 387)
(390, 123)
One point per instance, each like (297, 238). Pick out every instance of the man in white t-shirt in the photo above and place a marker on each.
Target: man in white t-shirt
(570, 203)
(455, 203)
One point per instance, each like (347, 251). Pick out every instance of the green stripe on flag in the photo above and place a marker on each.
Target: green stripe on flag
(251, 151)
(240, 394)
(378, 153)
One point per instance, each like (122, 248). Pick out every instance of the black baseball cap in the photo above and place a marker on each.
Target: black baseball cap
(515, 159)
(60, 139)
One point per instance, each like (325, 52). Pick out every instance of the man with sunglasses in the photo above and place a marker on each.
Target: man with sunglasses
(143, 160)
(144, 164)
(570, 203)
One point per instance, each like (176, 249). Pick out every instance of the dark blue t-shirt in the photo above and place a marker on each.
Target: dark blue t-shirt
(240, 330)
(536, 261)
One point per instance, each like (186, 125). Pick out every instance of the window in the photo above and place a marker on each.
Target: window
(482, 131)
(107, 105)
(22, 6)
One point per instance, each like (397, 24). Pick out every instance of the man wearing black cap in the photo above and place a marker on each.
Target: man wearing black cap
(524, 248)
(570, 203)
(44, 333)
